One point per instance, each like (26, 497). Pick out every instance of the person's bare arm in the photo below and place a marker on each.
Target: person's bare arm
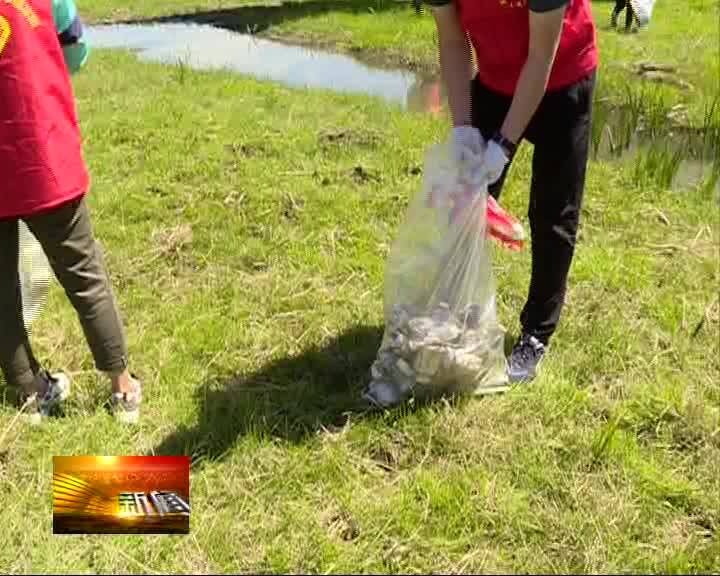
(545, 30)
(455, 61)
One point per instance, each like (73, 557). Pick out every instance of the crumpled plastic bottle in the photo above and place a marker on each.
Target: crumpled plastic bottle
(504, 227)
(457, 188)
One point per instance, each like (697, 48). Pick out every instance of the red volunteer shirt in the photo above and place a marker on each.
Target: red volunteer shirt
(41, 161)
(500, 32)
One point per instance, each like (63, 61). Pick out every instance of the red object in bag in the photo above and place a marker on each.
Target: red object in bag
(503, 227)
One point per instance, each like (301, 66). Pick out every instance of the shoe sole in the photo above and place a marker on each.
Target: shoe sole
(523, 379)
(528, 377)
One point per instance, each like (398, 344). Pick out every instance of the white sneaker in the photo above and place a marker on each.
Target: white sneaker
(126, 405)
(57, 390)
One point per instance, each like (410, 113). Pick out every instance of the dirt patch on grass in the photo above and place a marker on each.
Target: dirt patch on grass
(247, 149)
(171, 242)
(341, 525)
(362, 175)
(348, 137)
(291, 207)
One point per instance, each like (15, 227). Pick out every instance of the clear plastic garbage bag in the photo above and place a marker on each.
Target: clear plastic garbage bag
(643, 10)
(35, 275)
(442, 335)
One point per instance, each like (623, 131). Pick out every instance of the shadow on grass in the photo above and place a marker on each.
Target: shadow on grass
(290, 398)
(259, 18)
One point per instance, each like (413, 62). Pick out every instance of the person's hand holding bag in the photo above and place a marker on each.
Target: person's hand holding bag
(497, 156)
(467, 139)
(469, 150)
(468, 145)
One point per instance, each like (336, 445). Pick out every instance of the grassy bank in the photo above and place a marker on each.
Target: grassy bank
(681, 35)
(246, 227)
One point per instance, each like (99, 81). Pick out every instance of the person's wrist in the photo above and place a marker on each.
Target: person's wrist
(506, 145)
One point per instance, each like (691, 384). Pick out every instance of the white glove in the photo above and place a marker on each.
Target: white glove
(494, 162)
(468, 144)
(469, 149)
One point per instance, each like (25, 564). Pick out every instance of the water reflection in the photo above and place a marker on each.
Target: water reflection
(205, 47)
(617, 133)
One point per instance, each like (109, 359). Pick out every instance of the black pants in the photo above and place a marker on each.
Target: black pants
(620, 5)
(67, 237)
(560, 134)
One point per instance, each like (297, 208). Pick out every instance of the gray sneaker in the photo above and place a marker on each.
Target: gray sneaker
(126, 405)
(525, 359)
(41, 404)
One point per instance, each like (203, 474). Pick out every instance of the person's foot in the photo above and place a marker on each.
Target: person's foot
(525, 359)
(126, 405)
(51, 391)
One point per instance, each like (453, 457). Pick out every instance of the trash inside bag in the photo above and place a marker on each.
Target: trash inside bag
(35, 275)
(442, 335)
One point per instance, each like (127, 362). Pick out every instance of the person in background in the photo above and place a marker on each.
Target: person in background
(44, 184)
(70, 34)
(630, 15)
(536, 68)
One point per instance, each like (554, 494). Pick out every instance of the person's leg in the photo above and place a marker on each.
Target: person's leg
(619, 5)
(67, 237)
(629, 16)
(561, 134)
(39, 391)
(636, 20)
(16, 358)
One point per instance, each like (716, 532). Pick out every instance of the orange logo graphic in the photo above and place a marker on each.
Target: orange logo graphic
(4, 33)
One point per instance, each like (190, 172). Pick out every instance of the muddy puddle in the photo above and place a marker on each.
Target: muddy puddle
(206, 47)
(664, 148)
(680, 157)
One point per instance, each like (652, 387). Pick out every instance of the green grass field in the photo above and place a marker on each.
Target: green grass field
(247, 251)
(681, 34)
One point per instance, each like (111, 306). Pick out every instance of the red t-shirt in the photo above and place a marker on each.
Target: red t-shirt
(41, 161)
(500, 34)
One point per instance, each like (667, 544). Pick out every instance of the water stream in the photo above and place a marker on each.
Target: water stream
(207, 47)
